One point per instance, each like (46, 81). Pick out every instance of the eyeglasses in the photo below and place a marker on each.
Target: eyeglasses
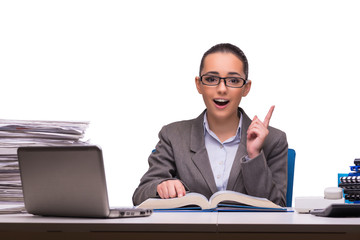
(233, 82)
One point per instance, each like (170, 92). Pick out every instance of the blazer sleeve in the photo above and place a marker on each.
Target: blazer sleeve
(266, 175)
(161, 167)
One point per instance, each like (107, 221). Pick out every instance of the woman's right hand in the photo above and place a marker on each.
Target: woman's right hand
(171, 189)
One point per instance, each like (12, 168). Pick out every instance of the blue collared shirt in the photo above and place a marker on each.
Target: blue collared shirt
(221, 155)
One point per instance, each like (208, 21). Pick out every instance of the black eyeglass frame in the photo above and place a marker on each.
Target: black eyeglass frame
(220, 78)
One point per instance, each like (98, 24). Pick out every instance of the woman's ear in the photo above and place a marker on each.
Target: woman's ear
(198, 84)
(247, 88)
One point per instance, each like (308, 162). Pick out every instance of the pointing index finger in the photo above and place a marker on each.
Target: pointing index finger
(268, 116)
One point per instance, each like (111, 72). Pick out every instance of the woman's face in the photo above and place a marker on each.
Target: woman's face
(221, 101)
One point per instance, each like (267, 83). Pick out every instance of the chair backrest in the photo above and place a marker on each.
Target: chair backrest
(290, 183)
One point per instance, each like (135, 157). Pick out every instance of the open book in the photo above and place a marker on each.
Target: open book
(190, 199)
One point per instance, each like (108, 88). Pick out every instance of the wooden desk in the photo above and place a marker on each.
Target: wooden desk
(183, 226)
(289, 225)
(200, 225)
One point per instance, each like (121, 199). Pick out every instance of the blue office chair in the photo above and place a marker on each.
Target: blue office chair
(290, 183)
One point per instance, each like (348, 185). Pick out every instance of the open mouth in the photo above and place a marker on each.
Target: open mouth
(221, 102)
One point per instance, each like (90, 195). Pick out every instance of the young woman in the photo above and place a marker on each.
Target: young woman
(222, 149)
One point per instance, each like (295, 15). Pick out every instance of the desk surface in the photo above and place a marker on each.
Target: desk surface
(168, 221)
(180, 225)
(185, 221)
(285, 222)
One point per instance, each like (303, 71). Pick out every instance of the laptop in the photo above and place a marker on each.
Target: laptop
(67, 181)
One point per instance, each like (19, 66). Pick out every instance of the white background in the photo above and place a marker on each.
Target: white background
(129, 68)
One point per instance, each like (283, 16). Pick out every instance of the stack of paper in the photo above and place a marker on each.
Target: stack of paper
(16, 133)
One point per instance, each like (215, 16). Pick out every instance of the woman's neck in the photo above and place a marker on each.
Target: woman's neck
(224, 128)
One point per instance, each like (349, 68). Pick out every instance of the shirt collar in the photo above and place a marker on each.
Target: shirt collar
(211, 133)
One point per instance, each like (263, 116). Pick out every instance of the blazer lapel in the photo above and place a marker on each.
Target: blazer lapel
(241, 152)
(200, 157)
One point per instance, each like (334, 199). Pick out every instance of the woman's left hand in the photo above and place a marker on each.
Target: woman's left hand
(257, 133)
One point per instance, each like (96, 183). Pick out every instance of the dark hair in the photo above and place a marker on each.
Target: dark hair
(227, 48)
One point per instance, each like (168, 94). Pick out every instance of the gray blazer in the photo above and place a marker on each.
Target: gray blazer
(181, 154)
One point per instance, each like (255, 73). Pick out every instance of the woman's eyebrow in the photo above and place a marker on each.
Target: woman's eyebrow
(217, 73)
(211, 72)
(234, 73)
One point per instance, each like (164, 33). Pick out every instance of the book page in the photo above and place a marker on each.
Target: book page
(241, 198)
(188, 199)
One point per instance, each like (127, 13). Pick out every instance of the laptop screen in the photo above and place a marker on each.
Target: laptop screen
(64, 181)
